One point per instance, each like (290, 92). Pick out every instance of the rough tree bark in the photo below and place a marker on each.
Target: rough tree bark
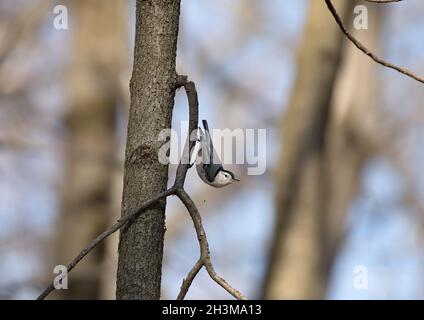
(152, 97)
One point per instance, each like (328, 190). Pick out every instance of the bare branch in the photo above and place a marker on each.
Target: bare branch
(204, 246)
(128, 218)
(189, 280)
(365, 50)
(191, 207)
(177, 189)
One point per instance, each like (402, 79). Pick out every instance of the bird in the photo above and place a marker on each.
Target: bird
(208, 165)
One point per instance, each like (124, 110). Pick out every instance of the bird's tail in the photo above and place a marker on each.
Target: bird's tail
(205, 125)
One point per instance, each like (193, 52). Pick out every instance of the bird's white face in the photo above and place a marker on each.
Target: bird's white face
(222, 179)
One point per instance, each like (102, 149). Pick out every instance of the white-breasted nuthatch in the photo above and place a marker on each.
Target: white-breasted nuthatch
(208, 165)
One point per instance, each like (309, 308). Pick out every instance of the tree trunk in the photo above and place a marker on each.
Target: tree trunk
(296, 268)
(152, 98)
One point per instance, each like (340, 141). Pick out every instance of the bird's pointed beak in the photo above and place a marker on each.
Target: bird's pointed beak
(236, 179)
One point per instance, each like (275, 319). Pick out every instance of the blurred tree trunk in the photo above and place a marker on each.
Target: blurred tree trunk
(322, 160)
(299, 260)
(152, 99)
(99, 59)
(352, 136)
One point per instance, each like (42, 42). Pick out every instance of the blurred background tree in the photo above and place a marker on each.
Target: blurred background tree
(99, 60)
(329, 134)
(298, 266)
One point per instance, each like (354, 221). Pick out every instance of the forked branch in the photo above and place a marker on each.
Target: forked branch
(178, 190)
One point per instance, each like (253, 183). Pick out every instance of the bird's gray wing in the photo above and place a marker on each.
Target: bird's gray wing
(204, 147)
(208, 141)
(210, 160)
(212, 154)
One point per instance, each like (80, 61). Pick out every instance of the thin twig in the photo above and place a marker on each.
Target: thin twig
(365, 50)
(204, 246)
(189, 279)
(106, 234)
